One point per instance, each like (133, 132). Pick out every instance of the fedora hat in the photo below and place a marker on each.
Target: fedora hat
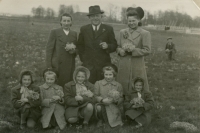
(94, 10)
(138, 10)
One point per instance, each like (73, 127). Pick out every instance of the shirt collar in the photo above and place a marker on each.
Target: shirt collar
(93, 26)
(104, 82)
(66, 31)
(131, 30)
(45, 86)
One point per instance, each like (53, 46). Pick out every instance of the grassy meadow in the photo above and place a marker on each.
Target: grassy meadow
(174, 85)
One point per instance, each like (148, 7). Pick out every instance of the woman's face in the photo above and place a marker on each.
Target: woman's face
(138, 86)
(26, 80)
(133, 22)
(108, 75)
(66, 22)
(50, 79)
(80, 77)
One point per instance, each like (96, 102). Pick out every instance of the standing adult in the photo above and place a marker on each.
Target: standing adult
(135, 43)
(60, 50)
(170, 49)
(96, 42)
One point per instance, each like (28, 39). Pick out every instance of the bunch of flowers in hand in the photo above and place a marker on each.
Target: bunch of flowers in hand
(87, 93)
(33, 95)
(137, 101)
(128, 46)
(60, 93)
(70, 47)
(114, 94)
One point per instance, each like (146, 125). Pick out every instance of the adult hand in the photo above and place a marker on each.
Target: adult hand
(131, 48)
(107, 101)
(104, 45)
(79, 98)
(121, 51)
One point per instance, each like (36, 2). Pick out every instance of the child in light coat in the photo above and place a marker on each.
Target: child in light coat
(109, 95)
(52, 101)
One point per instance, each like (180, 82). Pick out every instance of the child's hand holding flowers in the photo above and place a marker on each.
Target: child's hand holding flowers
(87, 93)
(79, 98)
(33, 95)
(137, 102)
(56, 98)
(115, 95)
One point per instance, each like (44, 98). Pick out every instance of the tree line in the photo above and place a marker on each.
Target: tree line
(117, 14)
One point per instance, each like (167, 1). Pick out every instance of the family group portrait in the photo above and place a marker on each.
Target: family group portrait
(106, 66)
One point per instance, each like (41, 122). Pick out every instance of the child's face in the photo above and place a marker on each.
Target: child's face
(26, 80)
(50, 79)
(80, 77)
(138, 86)
(108, 76)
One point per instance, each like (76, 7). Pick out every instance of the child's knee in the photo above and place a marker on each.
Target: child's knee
(72, 120)
(89, 107)
(30, 123)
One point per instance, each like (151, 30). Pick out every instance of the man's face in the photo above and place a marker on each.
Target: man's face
(95, 19)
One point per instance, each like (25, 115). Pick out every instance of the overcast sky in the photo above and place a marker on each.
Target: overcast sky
(25, 6)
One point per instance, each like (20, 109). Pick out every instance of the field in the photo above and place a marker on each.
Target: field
(175, 85)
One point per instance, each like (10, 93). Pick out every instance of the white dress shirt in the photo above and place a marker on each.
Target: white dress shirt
(93, 26)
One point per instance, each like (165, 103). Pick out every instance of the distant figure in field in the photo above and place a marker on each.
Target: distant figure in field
(61, 50)
(170, 49)
(95, 43)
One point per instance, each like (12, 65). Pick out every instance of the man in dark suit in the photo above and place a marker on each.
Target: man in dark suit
(95, 43)
(170, 49)
(59, 55)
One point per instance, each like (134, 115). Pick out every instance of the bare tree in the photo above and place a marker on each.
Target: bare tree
(50, 13)
(65, 9)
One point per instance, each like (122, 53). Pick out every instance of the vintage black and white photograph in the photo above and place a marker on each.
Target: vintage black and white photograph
(100, 66)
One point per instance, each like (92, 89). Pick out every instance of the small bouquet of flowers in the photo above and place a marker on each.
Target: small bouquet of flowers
(126, 46)
(33, 95)
(137, 101)
(114, 94)
(87, 93)
(59, 93)
(70, 47)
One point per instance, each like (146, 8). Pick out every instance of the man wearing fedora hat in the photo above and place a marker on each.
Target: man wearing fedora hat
(95, 43)
(170, 49)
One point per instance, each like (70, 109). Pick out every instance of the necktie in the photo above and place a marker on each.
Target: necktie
(95, 31)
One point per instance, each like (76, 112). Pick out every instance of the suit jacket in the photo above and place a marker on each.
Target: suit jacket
(90, 52)
(57, 57)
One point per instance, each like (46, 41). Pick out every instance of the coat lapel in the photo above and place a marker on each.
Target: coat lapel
(101, 30)
(63, 37)
(135, 34)
(90, 31)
